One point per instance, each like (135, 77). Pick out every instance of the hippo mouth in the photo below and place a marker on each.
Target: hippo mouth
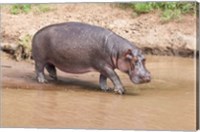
(140, 80)
(136, 80)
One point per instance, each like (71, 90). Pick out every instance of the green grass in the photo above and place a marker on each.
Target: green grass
(19, 8)
(168, 15)
(169, 10)
(143, 7)
(26, 8)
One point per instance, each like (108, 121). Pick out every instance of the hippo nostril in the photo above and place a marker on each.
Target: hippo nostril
(147, 79)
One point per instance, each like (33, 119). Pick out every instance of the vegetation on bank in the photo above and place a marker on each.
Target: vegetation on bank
(26, 8)
(169, 10)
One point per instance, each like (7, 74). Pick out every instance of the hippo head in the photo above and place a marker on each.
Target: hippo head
(132, 62)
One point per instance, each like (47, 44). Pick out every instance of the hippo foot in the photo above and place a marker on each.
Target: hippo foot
(119, 90)
(107, 89)
(42, 80)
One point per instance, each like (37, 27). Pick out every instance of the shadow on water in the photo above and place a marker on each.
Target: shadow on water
(72, 83)
(64, 83)
(75, 83)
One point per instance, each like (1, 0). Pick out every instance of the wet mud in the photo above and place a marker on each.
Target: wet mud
(168, 102)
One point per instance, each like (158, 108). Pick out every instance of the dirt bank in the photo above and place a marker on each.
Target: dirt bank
(176, 38)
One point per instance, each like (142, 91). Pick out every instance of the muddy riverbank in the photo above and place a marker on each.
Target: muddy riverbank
(76, 101)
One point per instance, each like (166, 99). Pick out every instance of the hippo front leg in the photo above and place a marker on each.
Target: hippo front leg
(111, 74)
(103, 83)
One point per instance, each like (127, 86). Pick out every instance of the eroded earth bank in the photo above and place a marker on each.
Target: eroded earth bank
(175, 38)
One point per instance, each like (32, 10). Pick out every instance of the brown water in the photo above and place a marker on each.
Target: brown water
(167, 103)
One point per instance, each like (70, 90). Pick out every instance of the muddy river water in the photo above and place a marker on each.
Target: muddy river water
(168, 102)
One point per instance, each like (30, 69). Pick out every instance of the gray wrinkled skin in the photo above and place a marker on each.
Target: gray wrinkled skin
(78, 48)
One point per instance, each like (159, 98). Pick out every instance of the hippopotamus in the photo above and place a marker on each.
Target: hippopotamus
(75, 47)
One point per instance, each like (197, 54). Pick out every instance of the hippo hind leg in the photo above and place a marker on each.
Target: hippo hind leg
(51, 70)
(39, 69)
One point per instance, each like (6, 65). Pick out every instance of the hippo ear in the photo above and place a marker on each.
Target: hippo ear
(129, 54)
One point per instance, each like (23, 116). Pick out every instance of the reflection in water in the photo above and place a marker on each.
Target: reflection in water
(167, 103)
